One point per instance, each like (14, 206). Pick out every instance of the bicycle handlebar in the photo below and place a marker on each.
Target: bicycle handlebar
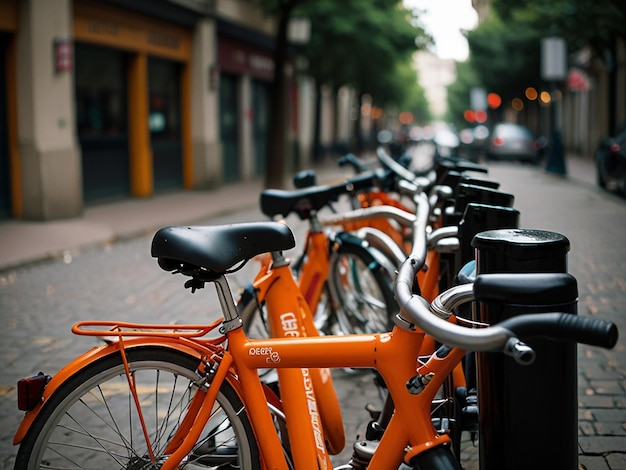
(564, 326)
(501, 337)
(559, 326)
(423, 182)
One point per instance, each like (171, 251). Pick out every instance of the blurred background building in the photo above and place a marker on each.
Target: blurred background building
(104, 100)
(435, 75)
(111, 99)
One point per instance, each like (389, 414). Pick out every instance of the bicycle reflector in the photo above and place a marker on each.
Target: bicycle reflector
(30, 390)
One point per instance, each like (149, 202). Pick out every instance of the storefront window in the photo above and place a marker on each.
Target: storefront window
(164, 123)
(164, 119)
(100, 92)
(101, 118)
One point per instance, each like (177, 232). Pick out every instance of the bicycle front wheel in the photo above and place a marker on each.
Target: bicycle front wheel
(360, 289)
(92, 422)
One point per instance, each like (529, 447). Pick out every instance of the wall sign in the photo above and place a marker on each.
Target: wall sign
(63, 55)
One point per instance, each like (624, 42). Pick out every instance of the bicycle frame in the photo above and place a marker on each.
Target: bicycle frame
(392, 354)
(290, 317)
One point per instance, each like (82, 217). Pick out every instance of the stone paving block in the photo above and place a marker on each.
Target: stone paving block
(607, 387)
(610, 428)
(615, 415)
(616, 461)
(587, 462)
(596, 401)
(602, 444)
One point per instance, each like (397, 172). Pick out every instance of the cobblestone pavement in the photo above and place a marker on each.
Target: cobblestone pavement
(40, 301)
(595, 224)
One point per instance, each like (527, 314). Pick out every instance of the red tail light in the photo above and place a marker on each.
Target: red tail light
(498, 141)
(614, 148)
(30, 391)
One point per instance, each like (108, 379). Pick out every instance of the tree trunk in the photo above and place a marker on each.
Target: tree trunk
(277, 139)
(317, 124)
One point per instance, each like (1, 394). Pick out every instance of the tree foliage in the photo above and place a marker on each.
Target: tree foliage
(582, 23)
(459, 93)
(505, 55)
(361, 44)
(505, 49)
(354, 43)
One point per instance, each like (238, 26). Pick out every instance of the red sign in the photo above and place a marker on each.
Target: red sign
(240, 58)
(63, 55)
(577, 80)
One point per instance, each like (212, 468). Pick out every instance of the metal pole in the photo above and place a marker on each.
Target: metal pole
(556, 157)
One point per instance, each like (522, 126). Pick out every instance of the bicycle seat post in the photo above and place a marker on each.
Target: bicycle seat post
(229, 309)
(314, 222)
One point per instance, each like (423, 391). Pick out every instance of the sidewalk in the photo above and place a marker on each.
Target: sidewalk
(23, 242)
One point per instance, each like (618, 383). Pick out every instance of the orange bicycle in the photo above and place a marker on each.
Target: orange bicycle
(189, 396)
(346, 283)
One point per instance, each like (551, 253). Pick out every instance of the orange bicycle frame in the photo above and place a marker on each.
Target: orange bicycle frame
(392, 354)
(289, 316)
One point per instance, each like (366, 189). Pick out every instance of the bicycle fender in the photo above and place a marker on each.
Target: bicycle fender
(94, 355)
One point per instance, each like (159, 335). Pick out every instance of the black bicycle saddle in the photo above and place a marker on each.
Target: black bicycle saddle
(220, 247)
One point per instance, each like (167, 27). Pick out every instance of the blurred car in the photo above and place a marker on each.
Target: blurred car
(611, 164)
(446, 141)
(510, 141)
(473, 141)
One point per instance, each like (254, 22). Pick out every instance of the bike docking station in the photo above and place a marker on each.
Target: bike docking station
(528, 414)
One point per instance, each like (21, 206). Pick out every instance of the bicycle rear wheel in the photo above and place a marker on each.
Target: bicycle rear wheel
(91, 421)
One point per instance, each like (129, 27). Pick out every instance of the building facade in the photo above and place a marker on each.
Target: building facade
(110, 99)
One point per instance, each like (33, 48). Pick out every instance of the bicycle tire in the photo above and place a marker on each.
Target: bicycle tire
(91, 422)
(360, 287)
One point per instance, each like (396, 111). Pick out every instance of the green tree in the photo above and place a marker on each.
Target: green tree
(593, 23)
(505, 49)
(276, 142)
(505, 55)
(410, 95)
(363, 46)
(459, 93)
(352, 43)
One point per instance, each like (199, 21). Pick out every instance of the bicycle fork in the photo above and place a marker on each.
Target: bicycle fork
(197, 417)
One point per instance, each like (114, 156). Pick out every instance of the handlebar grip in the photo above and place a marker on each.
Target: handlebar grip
(347, 159)
(564, 326)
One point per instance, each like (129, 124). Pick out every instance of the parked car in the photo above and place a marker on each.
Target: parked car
(510, 141)
(446, 141)
(473, 141)
(611, 164)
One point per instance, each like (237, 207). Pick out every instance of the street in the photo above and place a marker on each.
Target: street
(40, 302)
